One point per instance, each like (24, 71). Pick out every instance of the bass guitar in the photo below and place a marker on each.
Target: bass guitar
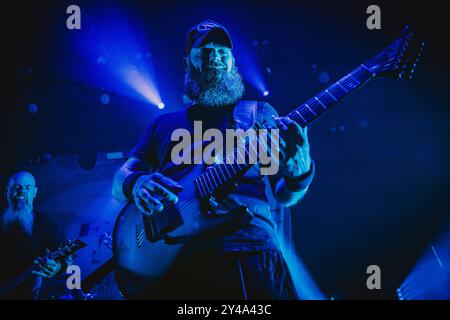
(64, 250)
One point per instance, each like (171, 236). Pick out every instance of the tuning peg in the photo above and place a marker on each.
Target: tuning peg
(422, 46)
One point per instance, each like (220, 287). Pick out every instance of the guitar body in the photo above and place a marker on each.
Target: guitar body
(141, 263)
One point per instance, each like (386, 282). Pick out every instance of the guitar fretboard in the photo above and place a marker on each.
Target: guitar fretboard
(319, 104)
(219, 174)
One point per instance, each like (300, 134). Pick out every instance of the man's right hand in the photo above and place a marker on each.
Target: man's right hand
(150, 190)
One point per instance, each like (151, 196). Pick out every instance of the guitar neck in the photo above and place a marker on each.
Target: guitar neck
(63, 252)
(5, 288)
(219, 174)
(312, 109)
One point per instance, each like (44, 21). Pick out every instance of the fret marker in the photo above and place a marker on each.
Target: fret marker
(362, 65)
(343, 88)
(301, 116)
(326, 90)
(212, 171)
(203, 183)
(200, 188)
(306, 105)
(324, 106)
(354, 79)
(209, 180)
(220, 170)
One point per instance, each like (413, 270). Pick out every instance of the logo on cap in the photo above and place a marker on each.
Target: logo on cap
(206, 26)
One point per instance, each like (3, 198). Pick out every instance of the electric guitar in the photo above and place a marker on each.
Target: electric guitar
(64, 250)
(146, 247)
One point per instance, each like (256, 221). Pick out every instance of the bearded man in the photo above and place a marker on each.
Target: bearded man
(25, 236)
(247, 263)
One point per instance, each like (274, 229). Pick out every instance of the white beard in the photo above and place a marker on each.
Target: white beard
(23, 217)
(214, 88)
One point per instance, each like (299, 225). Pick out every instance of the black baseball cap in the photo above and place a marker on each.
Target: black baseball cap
(207, 31)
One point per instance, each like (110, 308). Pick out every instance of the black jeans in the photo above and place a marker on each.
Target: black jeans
(229, 275)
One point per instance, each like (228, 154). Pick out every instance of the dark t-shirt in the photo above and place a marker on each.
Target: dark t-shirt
(18, 250)
(155, 146)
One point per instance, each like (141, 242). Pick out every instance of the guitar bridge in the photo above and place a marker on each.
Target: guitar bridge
(158, 225)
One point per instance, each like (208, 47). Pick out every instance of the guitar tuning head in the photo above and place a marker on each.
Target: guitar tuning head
(398, 59)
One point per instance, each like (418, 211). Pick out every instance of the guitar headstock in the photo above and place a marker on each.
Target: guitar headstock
(68, 248)
(399, 59)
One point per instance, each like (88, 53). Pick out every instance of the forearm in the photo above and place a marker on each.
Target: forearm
(119, 178)
(286, 196)
(290, 191)
(126, 176)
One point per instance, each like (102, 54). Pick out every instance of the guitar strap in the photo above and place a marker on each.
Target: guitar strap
(244, 117)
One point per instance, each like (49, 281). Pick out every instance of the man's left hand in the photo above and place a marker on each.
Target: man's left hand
(295, 159)
(46, 268)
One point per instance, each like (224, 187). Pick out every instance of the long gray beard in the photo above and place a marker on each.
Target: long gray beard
(214, 88)
(23, 217)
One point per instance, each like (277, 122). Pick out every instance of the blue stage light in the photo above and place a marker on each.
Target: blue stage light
(161, 105)
(101, 60)
(429, 279)
(32, 107)
(142, 84)
(117, 45)
(105, 99)
(249, 63)
(305, 284)
(265, 93)
(323, 77)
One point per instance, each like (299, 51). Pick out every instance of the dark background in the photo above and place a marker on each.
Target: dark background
(381, 189)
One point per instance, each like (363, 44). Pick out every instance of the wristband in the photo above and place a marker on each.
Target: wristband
(302, 182)
(129, 182)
